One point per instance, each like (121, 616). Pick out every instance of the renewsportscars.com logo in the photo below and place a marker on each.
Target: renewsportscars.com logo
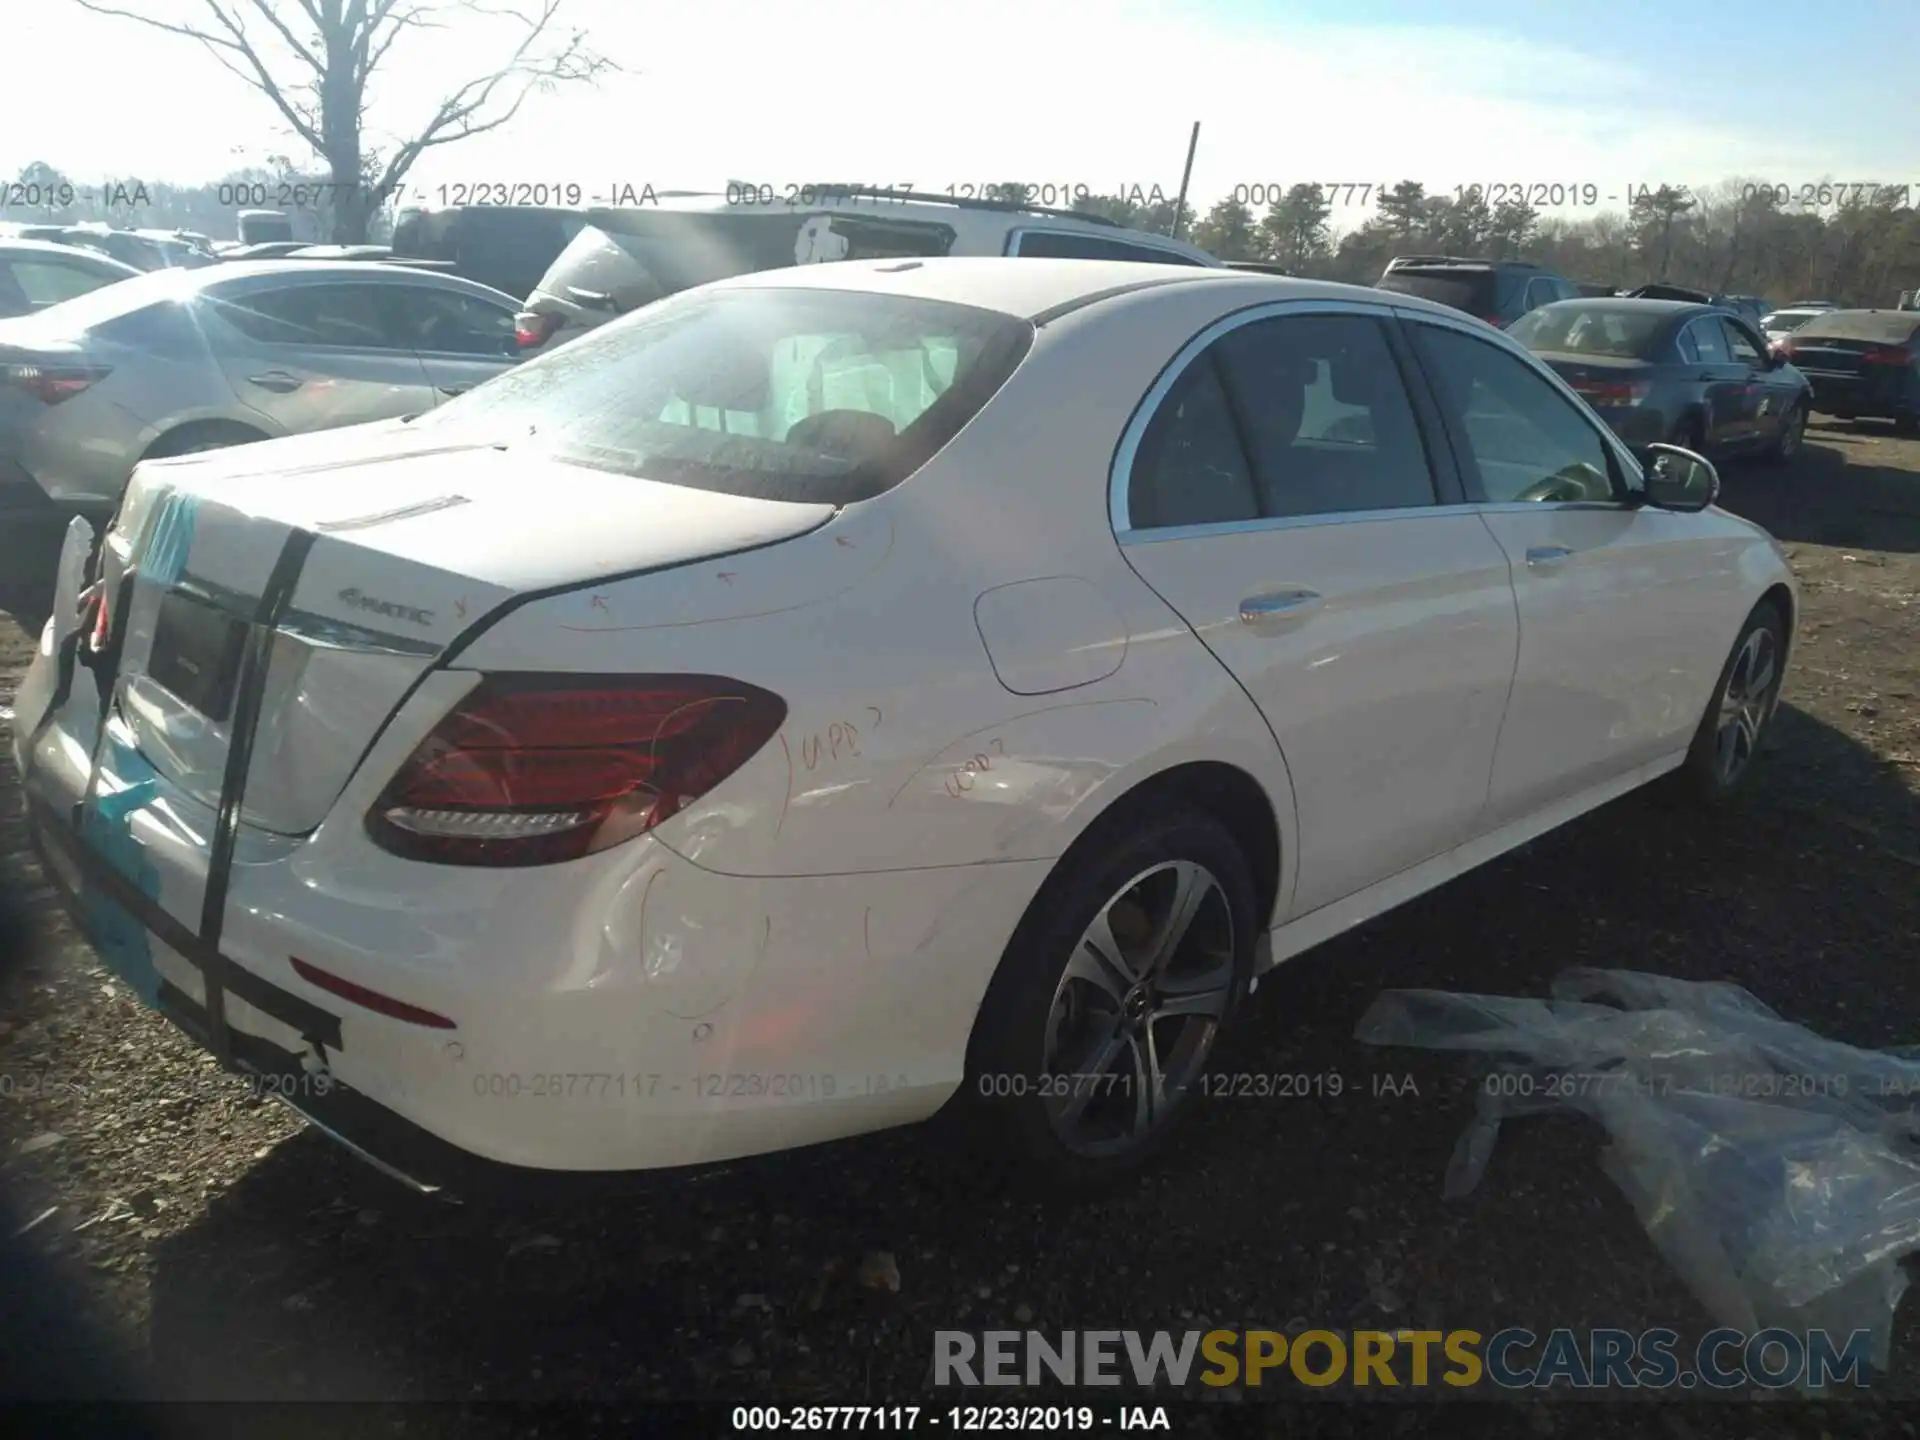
(1510, 1359)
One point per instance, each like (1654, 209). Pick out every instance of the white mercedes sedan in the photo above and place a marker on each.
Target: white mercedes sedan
(838, 695)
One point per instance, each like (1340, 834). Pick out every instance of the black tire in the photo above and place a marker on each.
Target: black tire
(1782, 449)
(1024, 1026)
(1689, 433)
(1704, 778)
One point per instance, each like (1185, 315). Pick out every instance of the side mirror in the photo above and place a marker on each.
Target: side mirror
(1680, 480)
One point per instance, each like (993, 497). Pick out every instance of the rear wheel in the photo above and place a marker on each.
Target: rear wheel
(1743, 702)
(1793, 431)
(1690, 433)
(1095, 1035)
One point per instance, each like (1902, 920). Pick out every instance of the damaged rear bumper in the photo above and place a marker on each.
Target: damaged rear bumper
(389, 1142)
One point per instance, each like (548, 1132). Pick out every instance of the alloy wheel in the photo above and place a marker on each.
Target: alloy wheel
(1137, 1009)
(1746, 703)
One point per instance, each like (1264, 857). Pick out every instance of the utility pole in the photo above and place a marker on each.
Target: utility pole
(1180, 205)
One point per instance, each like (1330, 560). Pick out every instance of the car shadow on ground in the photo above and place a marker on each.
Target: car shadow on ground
(29, 556)
(315, 1276)
(1834, 493)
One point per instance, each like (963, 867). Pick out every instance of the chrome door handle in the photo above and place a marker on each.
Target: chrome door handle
(278, 381)
(1547, 554)
(1278, 605)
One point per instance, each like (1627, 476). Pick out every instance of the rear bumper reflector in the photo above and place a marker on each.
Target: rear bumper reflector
(370, 999)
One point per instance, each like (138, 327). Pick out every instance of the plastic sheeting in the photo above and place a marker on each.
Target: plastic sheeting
(1776, 1170)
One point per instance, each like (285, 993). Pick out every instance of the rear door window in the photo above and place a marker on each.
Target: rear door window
(1326, 415)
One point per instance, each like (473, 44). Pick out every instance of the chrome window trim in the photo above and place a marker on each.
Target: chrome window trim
(1120, 473)
(1361, 517)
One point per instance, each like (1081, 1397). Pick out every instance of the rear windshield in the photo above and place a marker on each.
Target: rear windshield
(1576, 329)
(1878, 327)
(637, 256)
(1469, 290)
(821, 396)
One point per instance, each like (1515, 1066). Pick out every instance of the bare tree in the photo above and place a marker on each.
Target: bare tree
(313, 59)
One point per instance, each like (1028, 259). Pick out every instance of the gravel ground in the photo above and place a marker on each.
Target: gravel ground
(238, 1255)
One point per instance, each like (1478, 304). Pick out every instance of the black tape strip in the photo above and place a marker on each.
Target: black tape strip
(201, 950)
(250, 687)
(315, 1024)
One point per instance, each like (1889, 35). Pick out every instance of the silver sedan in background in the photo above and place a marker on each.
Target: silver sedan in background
(36, 275)
(178, 361)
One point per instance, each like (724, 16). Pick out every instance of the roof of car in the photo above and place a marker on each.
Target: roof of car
(310, 269)
(1038, 289)
(977, 218)
(1635, 306)
(1458, 262)
(22, 248)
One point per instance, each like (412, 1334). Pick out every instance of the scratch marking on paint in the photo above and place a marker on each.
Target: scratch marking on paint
(844, 543)
(787, 799)
(645, 896)
(1002, 724)
(460, 608)
(750, 614)
(874, 710)
(729, 575)
(766, 938)
(600, 603)
(866, 930)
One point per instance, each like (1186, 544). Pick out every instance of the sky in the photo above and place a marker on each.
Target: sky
(1061, 93)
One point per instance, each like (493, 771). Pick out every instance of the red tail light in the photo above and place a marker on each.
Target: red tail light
(50, 384)
(1887, 357)
(1622, 392)
(1495, 321)
(531, 330)
(536, 769)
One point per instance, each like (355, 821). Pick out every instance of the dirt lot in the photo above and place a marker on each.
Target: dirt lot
(241, 1256)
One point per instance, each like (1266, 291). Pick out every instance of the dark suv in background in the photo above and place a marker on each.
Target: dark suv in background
(507, 247)
(1496, 291)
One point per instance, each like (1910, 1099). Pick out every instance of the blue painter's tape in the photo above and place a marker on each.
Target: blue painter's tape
(166, 557)
(123, 942)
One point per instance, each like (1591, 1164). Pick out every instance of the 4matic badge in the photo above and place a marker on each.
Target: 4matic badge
(359, 600)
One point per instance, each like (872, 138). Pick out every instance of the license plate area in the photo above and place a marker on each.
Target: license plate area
(196, 654)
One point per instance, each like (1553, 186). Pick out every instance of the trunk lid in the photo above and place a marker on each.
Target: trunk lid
(1829, 356)
(413, 543)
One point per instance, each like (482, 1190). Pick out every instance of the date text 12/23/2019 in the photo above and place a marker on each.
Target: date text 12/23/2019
(961, 1419)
